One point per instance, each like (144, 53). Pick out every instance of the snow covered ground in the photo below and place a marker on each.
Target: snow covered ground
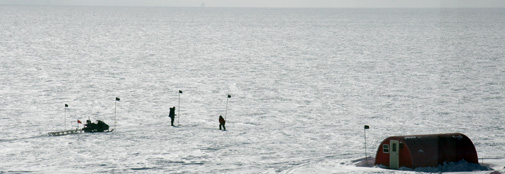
(303, 83)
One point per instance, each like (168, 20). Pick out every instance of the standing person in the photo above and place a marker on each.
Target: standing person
(221, 122)
(172, 115)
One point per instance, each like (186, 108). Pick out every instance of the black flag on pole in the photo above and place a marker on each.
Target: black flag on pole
(180, 92)
(229, 96)
(66, 105)
(117, 99)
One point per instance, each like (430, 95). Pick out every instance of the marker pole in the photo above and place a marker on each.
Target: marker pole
(226, 111)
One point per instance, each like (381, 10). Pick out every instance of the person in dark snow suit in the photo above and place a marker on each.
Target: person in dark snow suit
(172, 115)
(221, 122)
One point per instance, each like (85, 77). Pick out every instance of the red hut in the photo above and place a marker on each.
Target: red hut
(425, 150)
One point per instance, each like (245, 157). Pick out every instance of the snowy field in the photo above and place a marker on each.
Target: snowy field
(303, 83)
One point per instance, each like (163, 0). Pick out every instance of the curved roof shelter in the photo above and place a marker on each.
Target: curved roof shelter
(425, 150)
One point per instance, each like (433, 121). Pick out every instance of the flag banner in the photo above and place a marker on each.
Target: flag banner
(229, 96)
(79, 121)
(367, 127)
(66, 105)
(180, 92)
(117, 99)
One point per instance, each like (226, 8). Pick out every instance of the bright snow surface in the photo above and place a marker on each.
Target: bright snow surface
(303, 83)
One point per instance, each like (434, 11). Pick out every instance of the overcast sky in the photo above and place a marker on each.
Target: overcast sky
(274, 3)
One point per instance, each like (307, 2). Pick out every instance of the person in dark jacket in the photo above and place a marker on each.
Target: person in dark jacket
(172, 115)
(221, 122)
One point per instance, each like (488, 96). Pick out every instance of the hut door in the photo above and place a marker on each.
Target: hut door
(394, 155)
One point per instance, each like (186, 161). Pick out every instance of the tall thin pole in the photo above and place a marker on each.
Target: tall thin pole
(366, 156)
(179, 111)
(365, 149)
(115, 117)
(65, 120)
(226, 111)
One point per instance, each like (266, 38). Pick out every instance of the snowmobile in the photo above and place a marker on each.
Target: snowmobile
(90, 127)
(100, 126)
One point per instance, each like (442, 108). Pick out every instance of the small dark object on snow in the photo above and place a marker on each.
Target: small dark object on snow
(100, 126)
